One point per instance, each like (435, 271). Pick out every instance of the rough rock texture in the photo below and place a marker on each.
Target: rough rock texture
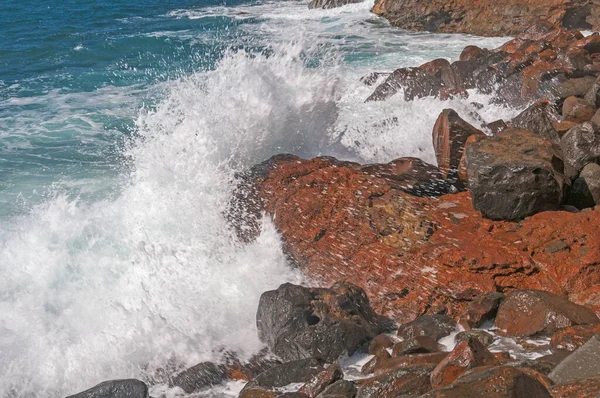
(538, 118)
(580, 388)
(466, 355)
(482, 336)
(450, 133)
(482, 309)
(380, 343)
(300, 371)
(581, 364)
(494, 382)
(586, 188)
(128, 388)
(570, 339)
(531, 312)
(416, 345)
(339, 389)
(414, 255)
(580, 146)
(319, 382)
(197, 377)
(403, 361)
(432, 326)
(298, 322)
(410, 380)
(514, 174)
(486, 17)
(544, 62)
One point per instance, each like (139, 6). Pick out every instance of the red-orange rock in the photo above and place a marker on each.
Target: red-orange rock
(380, 342)
(386, 365)
(532, 312)
(466, 355)
(577, 110)
(410, 380)
(570, 339)
(487, 17)
(414, 254)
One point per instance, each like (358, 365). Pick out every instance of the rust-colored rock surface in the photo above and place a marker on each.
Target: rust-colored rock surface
(466, 355)
(486, 17)
(416, 255)
(570, 339)
(581, 388)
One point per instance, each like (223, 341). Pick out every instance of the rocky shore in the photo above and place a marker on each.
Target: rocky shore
(478, 276)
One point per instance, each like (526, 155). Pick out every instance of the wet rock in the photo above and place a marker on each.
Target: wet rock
(416, 345)
(411, 175)
(372, 78)
(432, 326)
(577, 110)
(586, 188)
(198, 377)
(407, 360)
(450, 133)
(380, 342)
(577, 87)
(535, 313)
(581, 364)
(319, 382)
(411, 380)
(580, 146)
(580, 388)
(496, 126)
(375, 362)
(555, 358)
(299, 371)
(466, 355)
(570, 339)
(482, 309)
(298, 322)
(514, 174)
(593, 95)
(127, 388)
(472, 52)
(330, 3)
(339, 389)
(493, 382)
(538, 118)
(482, 336)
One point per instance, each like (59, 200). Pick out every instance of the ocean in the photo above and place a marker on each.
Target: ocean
(122, 125)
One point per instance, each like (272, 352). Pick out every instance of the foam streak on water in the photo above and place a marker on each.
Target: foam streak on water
(121, 282)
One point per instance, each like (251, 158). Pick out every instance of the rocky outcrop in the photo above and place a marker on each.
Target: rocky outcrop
(298, 322)
(571, 338)
(330, 3)
(544, 62)
(416, 255)
(487, 17)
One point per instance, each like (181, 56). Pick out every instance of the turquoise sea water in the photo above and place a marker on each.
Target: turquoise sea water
(121, 127)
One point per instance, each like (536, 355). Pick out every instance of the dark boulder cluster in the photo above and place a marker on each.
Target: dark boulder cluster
(544, 61)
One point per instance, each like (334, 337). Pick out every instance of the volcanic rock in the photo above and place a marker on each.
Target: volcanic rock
(570, 339)
(586, 188)
(482, 309)
(581, 364)
(339, 389)
(197, 377)
(411, 380)
(432, 326)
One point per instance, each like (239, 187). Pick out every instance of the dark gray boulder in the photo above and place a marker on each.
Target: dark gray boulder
(198, 377)
(581, 364)
(433, 326)
(514, 174)
(586, 188)
(341, 388)
(538, 119)
(298, 322)
(580, 146)
(126, 388)
(299, 371)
